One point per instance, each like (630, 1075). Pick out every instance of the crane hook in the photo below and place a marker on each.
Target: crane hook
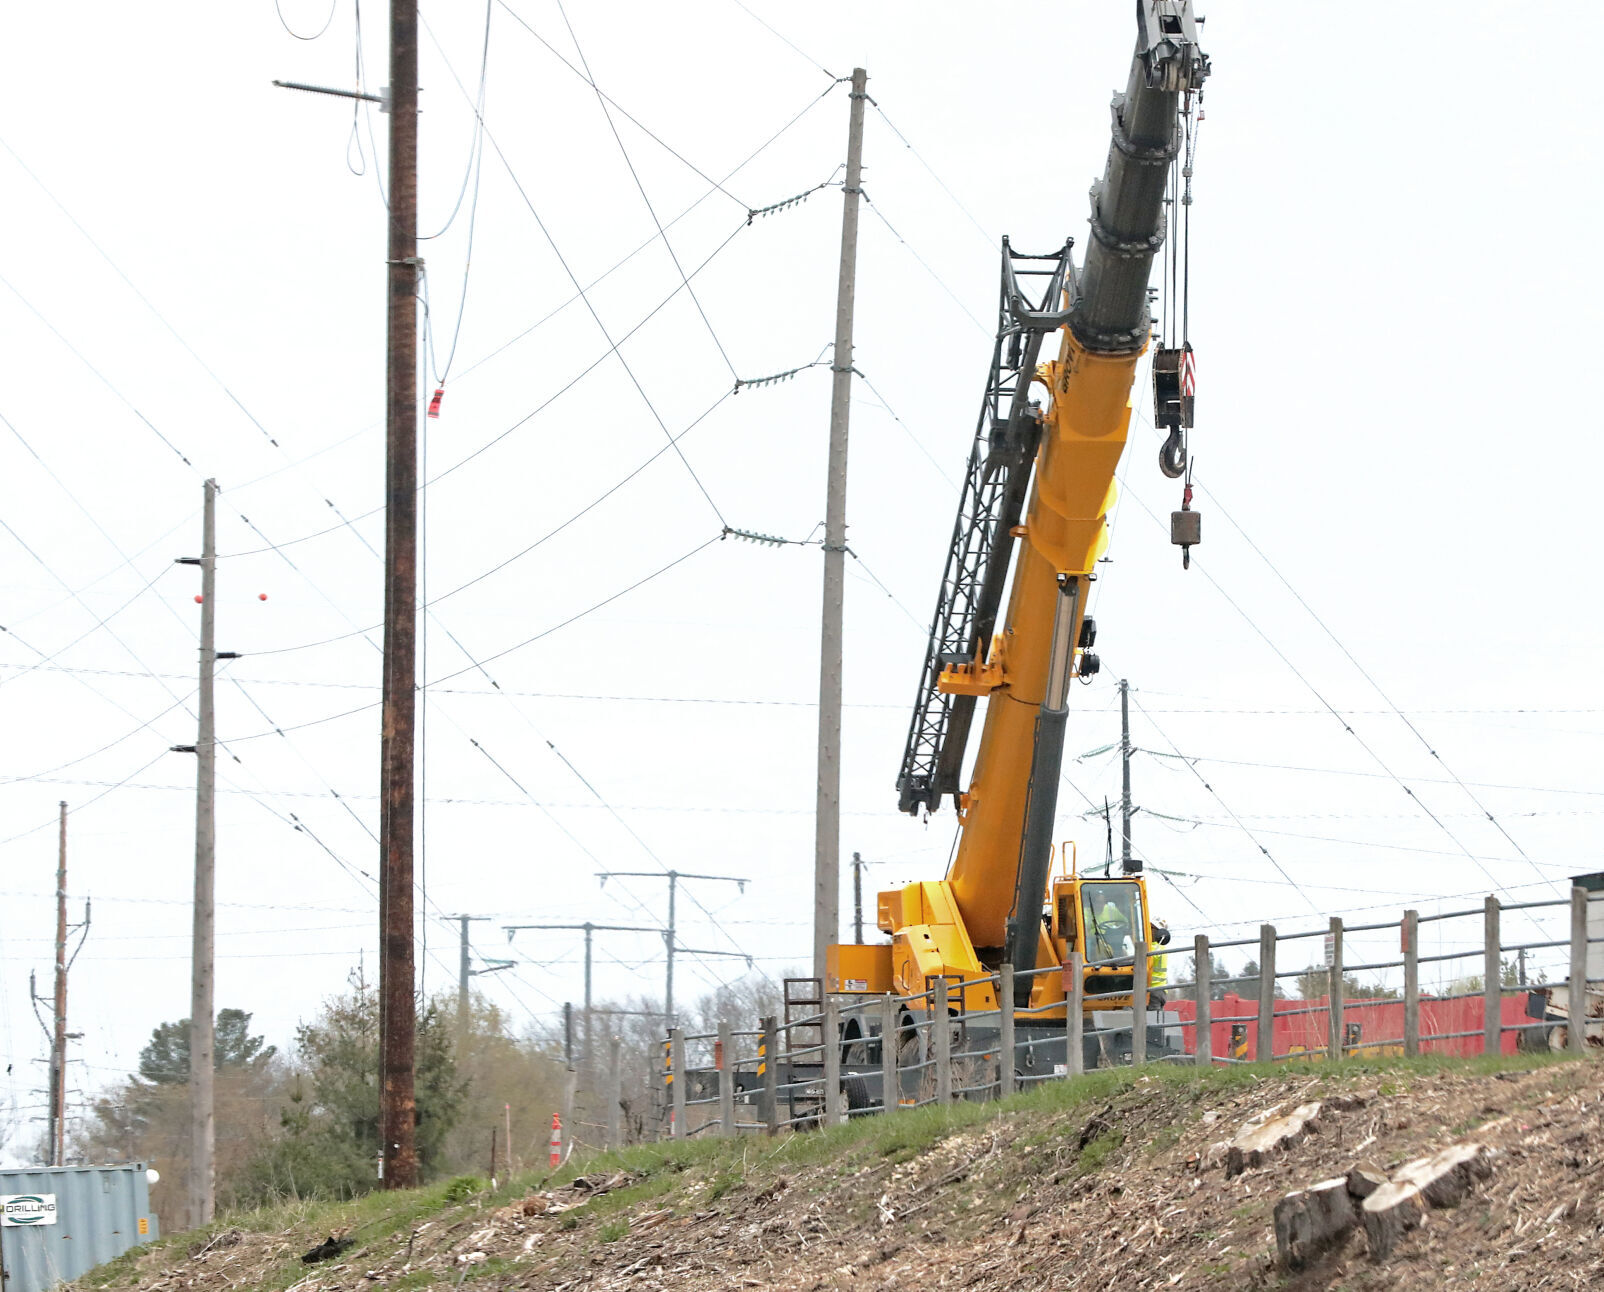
(1172, 455)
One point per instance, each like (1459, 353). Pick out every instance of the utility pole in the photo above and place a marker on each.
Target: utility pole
(670, 934)
(466, 972)
(827, 815)
(397, 1008)
(58, 1043)
(857, 895)
(1126, 865)
(202, 1128)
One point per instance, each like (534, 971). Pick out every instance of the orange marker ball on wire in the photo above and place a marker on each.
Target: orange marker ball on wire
(261, 596)
(199, 598)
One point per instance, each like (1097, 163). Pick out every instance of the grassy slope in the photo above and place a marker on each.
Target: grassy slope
(843, 1169)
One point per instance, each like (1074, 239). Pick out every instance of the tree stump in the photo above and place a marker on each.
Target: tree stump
(1313, 1220)
(1257, 1141)
(1441, 1180)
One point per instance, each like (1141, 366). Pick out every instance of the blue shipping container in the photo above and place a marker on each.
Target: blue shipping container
(61, 1222)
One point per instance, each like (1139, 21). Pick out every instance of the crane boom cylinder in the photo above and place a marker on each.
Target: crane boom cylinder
(1041, 797)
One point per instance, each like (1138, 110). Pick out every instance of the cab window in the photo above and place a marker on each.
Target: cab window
(1110, 911)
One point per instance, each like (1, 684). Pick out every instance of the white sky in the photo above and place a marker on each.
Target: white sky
(1385, 267)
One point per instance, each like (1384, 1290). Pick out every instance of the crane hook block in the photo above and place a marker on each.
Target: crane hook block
(1186, 531)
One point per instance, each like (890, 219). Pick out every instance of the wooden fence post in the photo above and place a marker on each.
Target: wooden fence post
(1074, 1015)
(768, 1066)
(830, 1038)
(941, 1039)
(1203, 991)
(1334, 995)
(676, 1079)
(1576, 1022)
(1138, 1000)
(570, 1128)
(1411, 968)
(726, 1080)
(1005, 1032)
(1264, 1043)
(615, 1095)
(890, 1042)
(1492, 980)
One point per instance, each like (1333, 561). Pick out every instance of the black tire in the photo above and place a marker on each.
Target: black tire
(856, 1090)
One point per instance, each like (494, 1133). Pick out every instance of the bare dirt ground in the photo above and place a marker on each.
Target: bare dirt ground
(1115, 1181)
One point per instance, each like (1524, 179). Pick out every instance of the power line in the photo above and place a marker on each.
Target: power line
(1376, 686)
(787, 41)
(602, 327)
(885, 406)
(1318, 695)
(327, 22)
(991, 243)
(641, 188)
(1203, 780)
(925, 265)
(606, 98)
(574, 618)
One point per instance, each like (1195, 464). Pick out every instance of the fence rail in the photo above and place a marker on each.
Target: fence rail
(852, 1056)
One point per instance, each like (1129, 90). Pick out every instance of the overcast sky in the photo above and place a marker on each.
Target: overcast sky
(1385, 282)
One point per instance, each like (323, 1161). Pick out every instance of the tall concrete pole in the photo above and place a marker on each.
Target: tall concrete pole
(1125, 865)
(857, 898)
(669, 937)
(464, 972)
(58, 1043)
(202, 1174)
(827, 820)
(397, 1010)
(585, 1060)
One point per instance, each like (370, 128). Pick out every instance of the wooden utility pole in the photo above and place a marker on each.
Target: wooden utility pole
(827, 817)
(58, 1041)
(202, 1128)
(397, 1010)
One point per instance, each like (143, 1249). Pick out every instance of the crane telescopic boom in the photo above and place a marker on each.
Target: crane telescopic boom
(1034, 511)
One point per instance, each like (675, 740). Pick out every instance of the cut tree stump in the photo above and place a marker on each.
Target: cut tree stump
(1365, 1180)
(1313, 1220)
(1258, 1140)
(1441, 1180)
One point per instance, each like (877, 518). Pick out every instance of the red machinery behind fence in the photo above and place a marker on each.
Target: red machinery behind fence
(1371, 1027)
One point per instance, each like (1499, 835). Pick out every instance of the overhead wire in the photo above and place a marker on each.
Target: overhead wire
(1218, 798)
(991, 242)
(278, 8)
(475, 170)
(651, 210)
(1370, 678)
(184, 458)
(628, 116)
(1330, 708)
(786, 40)
(924, 264)
(99, 624)
(613, 349)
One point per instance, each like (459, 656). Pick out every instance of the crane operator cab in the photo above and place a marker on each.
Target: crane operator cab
(1097, 917)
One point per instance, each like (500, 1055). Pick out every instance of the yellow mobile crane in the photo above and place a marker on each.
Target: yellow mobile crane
(1034, 509)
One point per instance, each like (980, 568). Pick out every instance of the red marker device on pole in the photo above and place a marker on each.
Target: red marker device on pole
(556, 1141)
